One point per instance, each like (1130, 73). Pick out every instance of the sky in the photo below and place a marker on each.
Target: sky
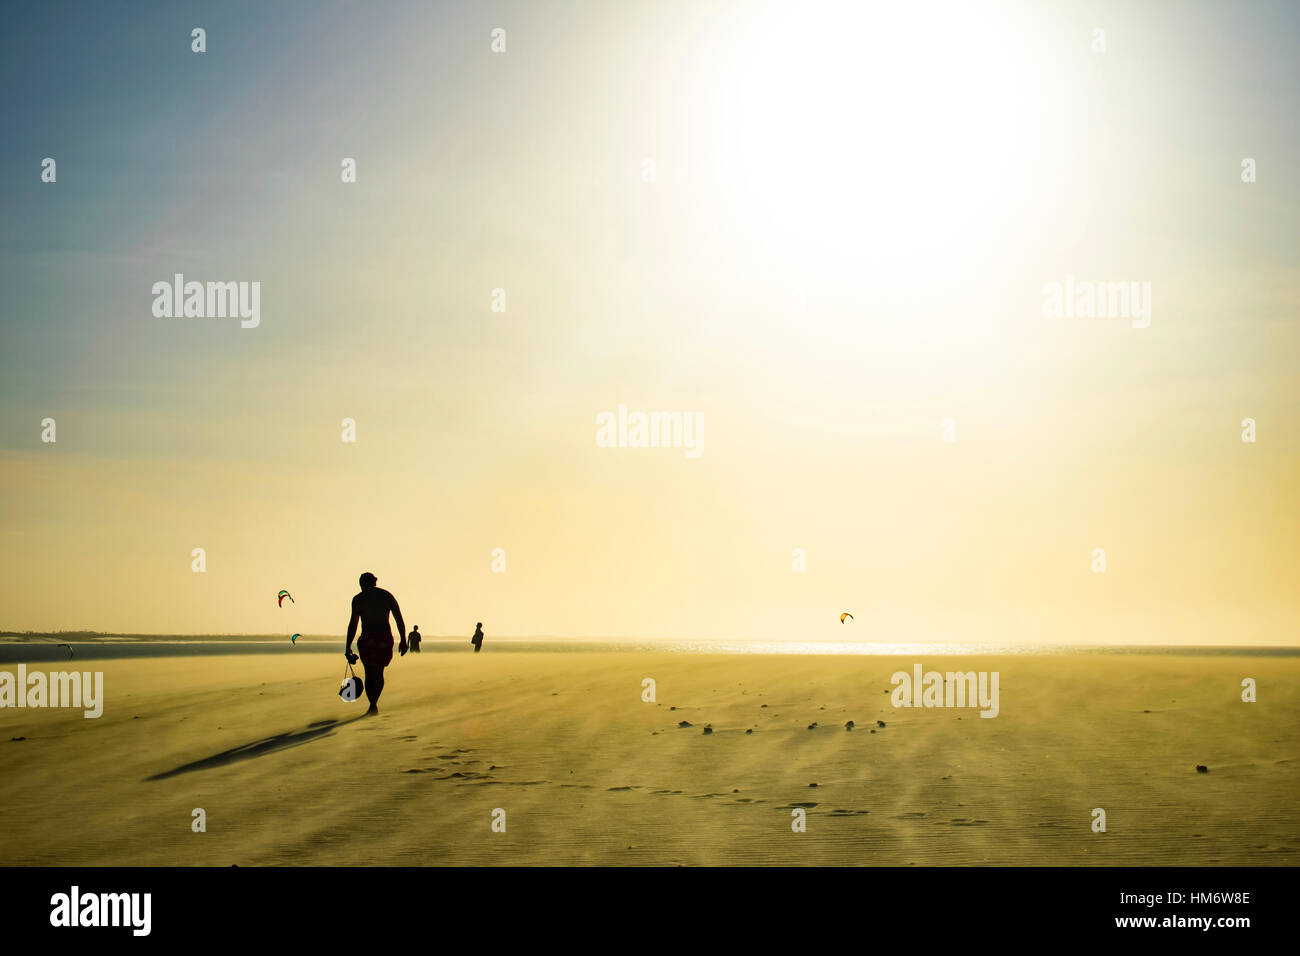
(826, 231)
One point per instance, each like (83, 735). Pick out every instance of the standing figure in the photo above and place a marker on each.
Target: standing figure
(477, 639)
(414, 639)
(371, 607)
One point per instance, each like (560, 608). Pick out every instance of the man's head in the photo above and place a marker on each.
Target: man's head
(415, 627)
(479, 624)
(368, 580)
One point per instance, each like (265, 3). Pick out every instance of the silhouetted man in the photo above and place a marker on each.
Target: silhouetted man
(477, 639)
(372, 607)
(414, 639)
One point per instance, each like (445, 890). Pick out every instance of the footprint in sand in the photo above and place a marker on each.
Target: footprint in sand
(509, 783)
(914, 815)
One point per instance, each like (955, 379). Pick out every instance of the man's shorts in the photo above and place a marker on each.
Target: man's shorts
(376, 650)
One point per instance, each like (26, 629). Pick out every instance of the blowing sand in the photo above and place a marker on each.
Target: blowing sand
(588, 773)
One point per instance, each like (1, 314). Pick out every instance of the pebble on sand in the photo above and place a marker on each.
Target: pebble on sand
(812, 784)
(848, 725)
(1201, 768)
(813, 725)
(750, 730)
(685, 723)
(708, 728)
(880, 723)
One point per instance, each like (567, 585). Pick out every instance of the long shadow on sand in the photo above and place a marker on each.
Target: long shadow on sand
(259, 748)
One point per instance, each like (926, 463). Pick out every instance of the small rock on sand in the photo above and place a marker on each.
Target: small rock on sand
(750, 730)
(1201, 768)
(848, 725)
(708, 728)
(880, 723)
(685, 723)
(813, 725)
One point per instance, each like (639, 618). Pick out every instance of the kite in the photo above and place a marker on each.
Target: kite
(70, 652)
(282, 595)
(844, 615)
(294, 639)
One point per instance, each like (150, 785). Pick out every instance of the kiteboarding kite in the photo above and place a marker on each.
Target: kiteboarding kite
(844, 615)
(294, 639)
(281, 596)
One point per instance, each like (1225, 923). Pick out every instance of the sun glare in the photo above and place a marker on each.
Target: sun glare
(878, 131)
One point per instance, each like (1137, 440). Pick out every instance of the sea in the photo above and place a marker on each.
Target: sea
(17, 649)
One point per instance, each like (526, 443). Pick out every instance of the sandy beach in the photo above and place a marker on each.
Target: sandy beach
(589, 773)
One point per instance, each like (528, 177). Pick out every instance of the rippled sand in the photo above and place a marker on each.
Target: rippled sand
(587, 772)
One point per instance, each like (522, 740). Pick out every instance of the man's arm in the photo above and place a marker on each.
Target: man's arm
(401, 625)
(352, 630)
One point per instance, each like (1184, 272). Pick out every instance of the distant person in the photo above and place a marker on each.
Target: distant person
(414, 639)
(372, 607)
(477, 639)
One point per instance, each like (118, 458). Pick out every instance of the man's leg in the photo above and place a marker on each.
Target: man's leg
(374, 684)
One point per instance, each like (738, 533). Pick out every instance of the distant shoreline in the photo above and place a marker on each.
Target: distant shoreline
(37, 648)
(77, 637)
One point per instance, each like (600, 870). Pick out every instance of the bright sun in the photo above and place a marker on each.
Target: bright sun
(879, 131)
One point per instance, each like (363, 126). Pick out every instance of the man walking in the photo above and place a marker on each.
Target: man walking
(371, 607)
